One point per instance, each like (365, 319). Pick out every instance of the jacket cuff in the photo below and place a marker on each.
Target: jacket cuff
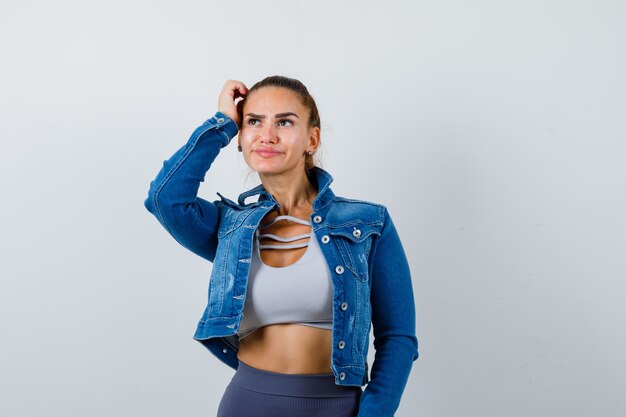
(225, 123)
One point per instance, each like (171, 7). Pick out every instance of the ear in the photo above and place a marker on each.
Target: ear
(314, 137)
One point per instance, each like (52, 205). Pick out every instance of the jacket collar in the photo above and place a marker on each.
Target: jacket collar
(320, 179)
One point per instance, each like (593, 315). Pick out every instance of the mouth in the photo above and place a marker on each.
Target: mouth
(267, 153)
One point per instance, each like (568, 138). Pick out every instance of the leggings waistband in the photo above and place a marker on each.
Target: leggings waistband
(308, 385)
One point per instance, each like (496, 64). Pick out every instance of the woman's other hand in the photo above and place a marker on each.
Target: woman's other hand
(231, 91)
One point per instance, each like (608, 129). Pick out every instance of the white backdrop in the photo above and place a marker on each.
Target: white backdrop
(494, 131)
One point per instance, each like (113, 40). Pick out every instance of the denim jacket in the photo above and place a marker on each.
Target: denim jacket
(366, 259)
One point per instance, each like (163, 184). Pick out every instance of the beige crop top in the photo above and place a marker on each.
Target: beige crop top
(298, 293)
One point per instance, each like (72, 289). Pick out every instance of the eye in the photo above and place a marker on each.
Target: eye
(285, 120)
(250, 120)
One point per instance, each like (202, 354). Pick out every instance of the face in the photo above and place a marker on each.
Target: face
(274, 135)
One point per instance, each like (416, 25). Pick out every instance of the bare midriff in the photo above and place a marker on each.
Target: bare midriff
(287, 347)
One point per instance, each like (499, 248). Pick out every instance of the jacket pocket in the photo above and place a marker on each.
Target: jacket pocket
(354, 242)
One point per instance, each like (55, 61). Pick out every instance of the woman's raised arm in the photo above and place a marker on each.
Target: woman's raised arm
(172, 197)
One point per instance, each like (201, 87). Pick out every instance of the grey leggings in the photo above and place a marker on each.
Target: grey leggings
(255, 392)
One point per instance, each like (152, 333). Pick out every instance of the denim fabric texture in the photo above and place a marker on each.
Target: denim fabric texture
(370, 272)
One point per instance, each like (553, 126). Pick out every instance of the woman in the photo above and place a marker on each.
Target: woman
(298, 275)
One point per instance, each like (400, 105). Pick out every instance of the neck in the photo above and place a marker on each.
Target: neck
(291, 189)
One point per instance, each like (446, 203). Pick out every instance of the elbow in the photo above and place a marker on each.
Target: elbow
(412, 347)
(150, 202)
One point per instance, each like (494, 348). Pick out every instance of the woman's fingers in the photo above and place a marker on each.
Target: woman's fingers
(232, 90)
(237, 89)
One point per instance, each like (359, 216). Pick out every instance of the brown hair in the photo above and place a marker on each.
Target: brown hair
(305, 98)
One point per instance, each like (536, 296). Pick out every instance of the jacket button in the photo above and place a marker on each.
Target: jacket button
(342, 376)
(220, 120)
(344, 305)
(342, 344)
(325, 239)
(339, 269)
(317, 219)
(356, 233)
(225, 350)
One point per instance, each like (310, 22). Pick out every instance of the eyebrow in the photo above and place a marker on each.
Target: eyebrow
(259, 116)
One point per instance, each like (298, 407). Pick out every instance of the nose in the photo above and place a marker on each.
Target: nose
(268, 133)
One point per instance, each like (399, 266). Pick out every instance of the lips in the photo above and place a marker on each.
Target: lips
(267, 152)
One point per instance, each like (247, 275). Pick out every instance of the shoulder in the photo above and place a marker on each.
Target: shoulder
(339, 199)
(365, 210)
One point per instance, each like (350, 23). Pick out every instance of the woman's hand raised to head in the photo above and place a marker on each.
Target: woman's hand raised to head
(232, 90)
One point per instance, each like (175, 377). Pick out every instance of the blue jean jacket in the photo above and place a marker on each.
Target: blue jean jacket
(369, 269)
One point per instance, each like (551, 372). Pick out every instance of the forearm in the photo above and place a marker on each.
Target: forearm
(389, 375)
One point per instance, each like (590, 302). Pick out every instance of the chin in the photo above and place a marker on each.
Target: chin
(270, 168)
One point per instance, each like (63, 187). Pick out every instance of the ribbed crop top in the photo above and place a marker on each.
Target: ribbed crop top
(298, 293)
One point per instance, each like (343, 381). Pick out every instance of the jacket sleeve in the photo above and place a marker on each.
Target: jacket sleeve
(172, 197)
(393, 321)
